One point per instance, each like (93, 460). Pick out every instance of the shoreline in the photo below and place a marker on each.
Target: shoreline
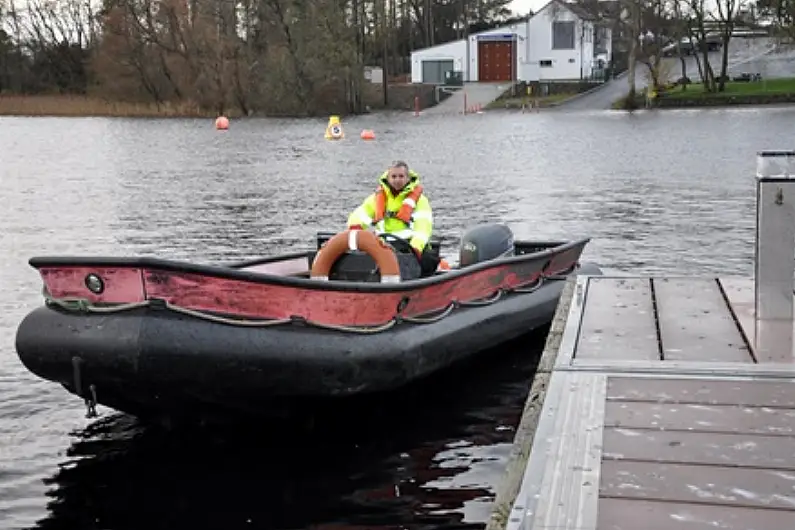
(88, 106)
(745, 100)
(758, 93)
(524, 102)
(712, 103)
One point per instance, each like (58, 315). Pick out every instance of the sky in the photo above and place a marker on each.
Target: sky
(521, 7)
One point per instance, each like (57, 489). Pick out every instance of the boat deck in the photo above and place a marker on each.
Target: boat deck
(663, 409)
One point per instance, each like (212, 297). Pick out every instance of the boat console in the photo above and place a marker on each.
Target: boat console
(358, 266)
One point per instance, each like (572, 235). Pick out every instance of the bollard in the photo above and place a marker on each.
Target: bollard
(465, 101)
(775, 255)
(416, 105)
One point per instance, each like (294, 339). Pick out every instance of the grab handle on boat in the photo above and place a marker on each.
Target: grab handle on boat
(91, 399)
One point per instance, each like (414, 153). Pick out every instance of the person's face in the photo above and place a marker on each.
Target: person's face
(397, 177)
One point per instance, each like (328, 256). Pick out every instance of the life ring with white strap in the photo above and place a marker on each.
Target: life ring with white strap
(363, 240)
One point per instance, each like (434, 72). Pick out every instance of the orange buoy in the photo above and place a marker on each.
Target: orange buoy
(443, 265)
(222, 123)
(368, 134)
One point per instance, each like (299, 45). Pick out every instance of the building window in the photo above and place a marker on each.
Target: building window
(600, 46)
(545, 63)
(563, 35)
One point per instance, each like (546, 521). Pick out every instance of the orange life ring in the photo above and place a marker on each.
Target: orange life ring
(362, 240)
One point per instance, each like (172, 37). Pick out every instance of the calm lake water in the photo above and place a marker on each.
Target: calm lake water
(669, 192)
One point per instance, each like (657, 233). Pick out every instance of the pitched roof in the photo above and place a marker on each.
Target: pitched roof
(578, 10)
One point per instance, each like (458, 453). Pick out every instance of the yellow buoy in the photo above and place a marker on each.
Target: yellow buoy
(334, 129)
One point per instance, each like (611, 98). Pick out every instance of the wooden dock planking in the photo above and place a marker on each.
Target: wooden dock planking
(696, 323)
(704, 413)
(687, 483)
(731, 444)
(708, 418)
(711, 448)
(625, 514)
(607, 454)
(740, 293)
(753, 393)
(677, 319)
(703, 438)
(625, 300)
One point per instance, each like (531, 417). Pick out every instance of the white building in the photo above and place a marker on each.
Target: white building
(559, 42)
(565, 43)
(491, 55)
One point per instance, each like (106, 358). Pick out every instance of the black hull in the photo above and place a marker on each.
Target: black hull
(152, 362)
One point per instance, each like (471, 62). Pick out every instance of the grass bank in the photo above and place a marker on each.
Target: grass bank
(763, 88)
(764, 92)
(525, 101)
(525, 94)
(76, 105)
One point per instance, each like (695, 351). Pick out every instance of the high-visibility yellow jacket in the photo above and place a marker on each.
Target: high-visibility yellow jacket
(420, 226)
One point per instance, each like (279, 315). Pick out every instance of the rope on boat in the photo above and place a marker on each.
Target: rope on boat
(83, 305)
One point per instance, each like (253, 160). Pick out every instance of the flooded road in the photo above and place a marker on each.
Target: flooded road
(745, 55)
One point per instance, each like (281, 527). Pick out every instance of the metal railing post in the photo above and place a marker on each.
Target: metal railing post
(775, 255)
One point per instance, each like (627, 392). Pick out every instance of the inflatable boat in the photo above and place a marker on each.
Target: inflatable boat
(154, 336)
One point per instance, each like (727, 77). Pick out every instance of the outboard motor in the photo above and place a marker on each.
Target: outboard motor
(485, 242)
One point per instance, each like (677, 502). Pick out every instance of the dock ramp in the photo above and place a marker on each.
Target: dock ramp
(471, 97)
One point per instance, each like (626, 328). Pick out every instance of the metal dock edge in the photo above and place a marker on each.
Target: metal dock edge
(555, 449)
(513, 478)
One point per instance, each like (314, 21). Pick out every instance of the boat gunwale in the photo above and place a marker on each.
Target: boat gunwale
(234, 272)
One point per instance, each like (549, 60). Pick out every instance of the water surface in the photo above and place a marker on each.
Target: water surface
(659, 192)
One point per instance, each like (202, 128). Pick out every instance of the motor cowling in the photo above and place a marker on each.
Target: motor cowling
(485, 242)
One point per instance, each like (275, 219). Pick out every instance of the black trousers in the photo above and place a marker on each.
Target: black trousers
(428, 263)
(412, 267)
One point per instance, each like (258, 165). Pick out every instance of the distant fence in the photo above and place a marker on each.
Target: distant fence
(550, 88)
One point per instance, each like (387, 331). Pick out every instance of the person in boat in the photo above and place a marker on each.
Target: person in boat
(400, 207)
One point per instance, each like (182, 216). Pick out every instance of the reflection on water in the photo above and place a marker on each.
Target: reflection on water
(669, 192)
(426, 454)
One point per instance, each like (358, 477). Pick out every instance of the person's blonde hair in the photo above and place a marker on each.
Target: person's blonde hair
(400, 163)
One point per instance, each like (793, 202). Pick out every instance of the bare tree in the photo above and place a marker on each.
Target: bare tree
(727, 13)
(270, 56)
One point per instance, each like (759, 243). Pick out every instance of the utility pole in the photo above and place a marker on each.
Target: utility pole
(384, 60)
(465, 73)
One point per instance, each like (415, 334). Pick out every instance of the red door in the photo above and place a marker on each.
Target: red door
(496, 60)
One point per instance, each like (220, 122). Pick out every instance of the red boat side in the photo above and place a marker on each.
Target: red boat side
(273, 289)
